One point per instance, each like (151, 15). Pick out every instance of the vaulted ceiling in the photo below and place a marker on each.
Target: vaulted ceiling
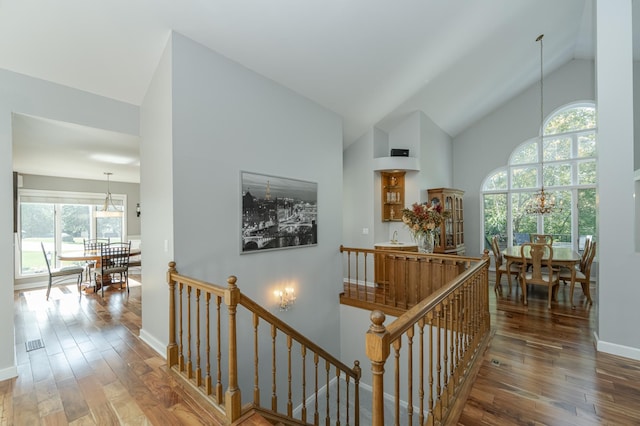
(371, 61)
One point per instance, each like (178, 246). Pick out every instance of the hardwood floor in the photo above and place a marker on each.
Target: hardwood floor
(541, 367)
(92, 370)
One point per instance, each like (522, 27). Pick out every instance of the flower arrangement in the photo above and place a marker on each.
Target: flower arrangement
(423, 219)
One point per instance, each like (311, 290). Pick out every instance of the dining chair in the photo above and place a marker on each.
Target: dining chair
(92, 246)
(57, 275)
(114, 260)
(540, 257)
(583, 276)
(541, 238)
(501, 266)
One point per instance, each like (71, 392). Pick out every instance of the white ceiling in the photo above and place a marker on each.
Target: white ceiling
(371, 61)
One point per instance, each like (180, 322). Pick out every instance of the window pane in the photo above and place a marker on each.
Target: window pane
(497, 181)
(557, 149)
(571, 119)
(559, 223)
(587, 145)
(527, 153)
(587, 172)
(75, 226)
(109, 227)
(495, 219)
(524, 177)
(587, 212)
(523, 224)
(37, 224)
(557, 174)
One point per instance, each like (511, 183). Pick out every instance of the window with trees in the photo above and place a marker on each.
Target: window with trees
(61, 220)
(568, 152)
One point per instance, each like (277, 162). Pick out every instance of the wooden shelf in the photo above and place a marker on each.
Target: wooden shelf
(392, 193)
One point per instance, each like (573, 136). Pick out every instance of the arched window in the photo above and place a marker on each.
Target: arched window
(569, 150)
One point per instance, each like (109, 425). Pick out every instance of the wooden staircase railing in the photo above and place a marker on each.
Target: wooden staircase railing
(441, 337)
(205, 357)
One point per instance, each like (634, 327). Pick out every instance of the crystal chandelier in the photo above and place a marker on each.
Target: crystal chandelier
(542, 203)
(109, 209)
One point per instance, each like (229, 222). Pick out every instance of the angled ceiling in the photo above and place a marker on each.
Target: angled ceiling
(371, 61)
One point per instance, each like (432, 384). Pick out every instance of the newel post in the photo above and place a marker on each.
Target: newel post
(377, 341)
(172, 347)
(233, 400)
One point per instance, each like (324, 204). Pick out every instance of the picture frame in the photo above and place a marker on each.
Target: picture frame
(277, 213)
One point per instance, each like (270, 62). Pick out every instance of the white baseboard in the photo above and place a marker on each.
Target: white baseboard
(615, 349)
(32, 285)
(155, 344)
(8, 373)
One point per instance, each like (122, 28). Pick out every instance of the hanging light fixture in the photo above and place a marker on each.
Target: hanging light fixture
(109, 209)
(542, 203)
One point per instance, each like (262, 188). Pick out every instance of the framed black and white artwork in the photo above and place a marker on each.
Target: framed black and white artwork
(277, 212)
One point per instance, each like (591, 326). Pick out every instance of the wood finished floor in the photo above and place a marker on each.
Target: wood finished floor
(541, 367)
(92, 370)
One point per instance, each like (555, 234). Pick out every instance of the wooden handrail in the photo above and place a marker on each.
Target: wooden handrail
(185, 351)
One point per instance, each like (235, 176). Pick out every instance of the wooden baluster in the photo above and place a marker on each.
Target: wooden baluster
(189, 361)
(303, 352)
(430, 364)
(452, 346)
(357, 275)
(366, 283)
(410, 374)
(349, 273)
(397, 345)
(377, 350)
(421, 324)
(337, 397)
(316, 413)
(438, 355)
(445, 354)
(256, 385)
(181, 358)
(274, 396)
(219, 395)
(207, 380)
(172, 347)
(356, 398)
(289, 396)
(233, 398)
(198, 366)
(327, 418)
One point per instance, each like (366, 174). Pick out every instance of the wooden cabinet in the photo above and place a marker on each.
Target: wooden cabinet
(392, 185)
(450, 239)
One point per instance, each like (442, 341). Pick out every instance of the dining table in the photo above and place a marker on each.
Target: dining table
(92, 256)
(563, 257)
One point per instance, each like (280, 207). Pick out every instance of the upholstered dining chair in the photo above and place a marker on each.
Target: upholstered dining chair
(540, 257)
(57, 275)
(114, 260)
(583, 276)
(501, 266)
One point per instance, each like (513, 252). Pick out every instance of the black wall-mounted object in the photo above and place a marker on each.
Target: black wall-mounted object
(399, 152)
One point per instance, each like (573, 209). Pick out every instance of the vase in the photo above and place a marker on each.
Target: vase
(425, 242)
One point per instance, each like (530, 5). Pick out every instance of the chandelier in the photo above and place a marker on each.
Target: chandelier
(109, 209)
(542, 203)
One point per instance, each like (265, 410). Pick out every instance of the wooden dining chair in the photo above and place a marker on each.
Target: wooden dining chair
(57, 275)
(501, 266)
(541, 238)
(114, 260)
(540, 257)
(92, 246)
(583, 276)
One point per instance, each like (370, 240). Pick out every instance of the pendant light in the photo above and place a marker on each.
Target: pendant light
(109, 209)
(542, 203)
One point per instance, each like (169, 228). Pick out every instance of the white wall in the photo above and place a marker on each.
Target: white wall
(27, 95)
(618, 314)
(359, 193)
(156, 191)
(228, 119)
(487, 144)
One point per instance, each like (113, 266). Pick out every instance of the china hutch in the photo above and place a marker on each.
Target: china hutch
(449, 239)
